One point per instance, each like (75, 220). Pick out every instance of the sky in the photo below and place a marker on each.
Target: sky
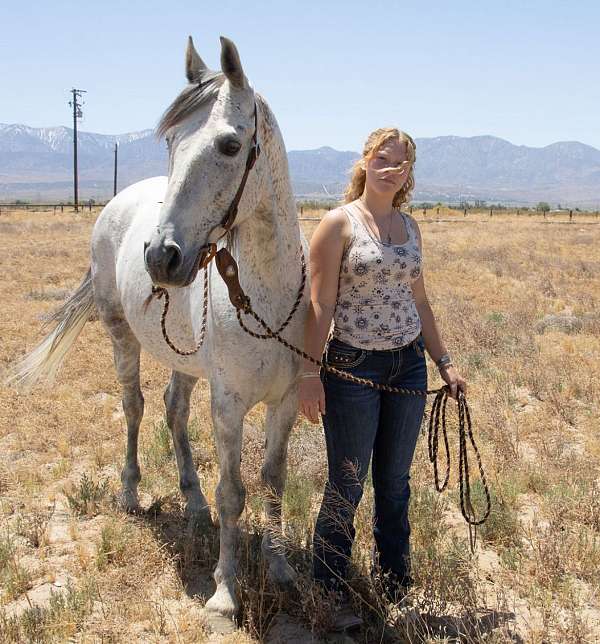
(331, 71)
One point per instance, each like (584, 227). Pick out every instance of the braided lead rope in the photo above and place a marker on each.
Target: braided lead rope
(338, 372)
(439, 403)
(433, 440)
(466, 506)
(159, 292)
(269, 334)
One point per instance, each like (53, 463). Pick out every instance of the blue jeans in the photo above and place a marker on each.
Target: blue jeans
(360, 421)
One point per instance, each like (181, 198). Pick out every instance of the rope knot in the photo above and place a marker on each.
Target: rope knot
(245, 304)
(156, 293)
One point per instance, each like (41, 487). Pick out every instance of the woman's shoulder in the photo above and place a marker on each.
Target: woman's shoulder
(337, 219)
(337, 213)
(407, 214)
(413, 222)
(332, 234)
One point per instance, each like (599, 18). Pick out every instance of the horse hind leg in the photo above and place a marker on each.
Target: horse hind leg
(279, 420)
(126, 349)
(177, 402)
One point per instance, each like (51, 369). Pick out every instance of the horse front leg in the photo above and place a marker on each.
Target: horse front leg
(279, 420)
(177, 402)
(228, 413)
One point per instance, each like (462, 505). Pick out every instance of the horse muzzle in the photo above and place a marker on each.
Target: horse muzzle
(165, 263)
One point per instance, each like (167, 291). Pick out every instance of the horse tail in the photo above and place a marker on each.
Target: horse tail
(43, 362)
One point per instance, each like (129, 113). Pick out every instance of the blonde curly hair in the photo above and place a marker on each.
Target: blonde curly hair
(375, 141)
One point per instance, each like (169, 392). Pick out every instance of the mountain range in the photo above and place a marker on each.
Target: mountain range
(37, 164)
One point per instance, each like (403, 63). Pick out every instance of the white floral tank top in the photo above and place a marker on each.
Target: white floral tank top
(375, 307)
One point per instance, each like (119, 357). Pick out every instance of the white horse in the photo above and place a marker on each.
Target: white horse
(154, 232)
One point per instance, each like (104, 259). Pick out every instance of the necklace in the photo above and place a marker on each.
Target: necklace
(389, 234)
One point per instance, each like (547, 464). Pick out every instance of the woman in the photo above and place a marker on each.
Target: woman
(366, 272)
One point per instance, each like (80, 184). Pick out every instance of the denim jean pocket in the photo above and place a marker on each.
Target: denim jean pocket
(419, 346)
(344, 357)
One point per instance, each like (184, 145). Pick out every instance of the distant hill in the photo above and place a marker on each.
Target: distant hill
(322, 171)
(44, 156)
(36, 163)
(453, 168)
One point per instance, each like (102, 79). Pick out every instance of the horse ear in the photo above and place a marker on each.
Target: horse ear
(231, 65)
(194, 65)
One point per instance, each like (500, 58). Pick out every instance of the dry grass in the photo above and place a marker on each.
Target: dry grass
(534, 391)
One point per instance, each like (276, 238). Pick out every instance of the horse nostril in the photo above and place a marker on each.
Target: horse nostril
(173, 257)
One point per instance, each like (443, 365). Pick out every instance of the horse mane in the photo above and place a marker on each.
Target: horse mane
(197, 94)
(268, 118)
(190, 99)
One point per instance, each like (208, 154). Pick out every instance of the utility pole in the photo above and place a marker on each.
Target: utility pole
(77, 114)
(115, 177)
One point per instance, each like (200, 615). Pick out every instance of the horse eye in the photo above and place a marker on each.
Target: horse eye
(230, 147)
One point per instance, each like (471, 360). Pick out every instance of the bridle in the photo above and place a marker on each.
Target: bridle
(208, 251)
(226, 265)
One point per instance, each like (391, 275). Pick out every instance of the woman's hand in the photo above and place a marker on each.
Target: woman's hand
(311, 398)
(454, 380)
(398, 170)
(396, 175)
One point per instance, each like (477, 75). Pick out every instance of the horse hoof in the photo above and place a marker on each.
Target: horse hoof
(129, 502)
(223, 603)
(217, 623)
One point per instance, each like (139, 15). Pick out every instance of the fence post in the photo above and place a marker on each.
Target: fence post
(437, 211)
(424, 212)
(411, 209)
(570, 215)
(301, 210)
(490, 212)
(62, 207)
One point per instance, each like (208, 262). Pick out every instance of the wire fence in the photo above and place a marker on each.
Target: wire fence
(54, 207)
(449, 214)
(439, 214)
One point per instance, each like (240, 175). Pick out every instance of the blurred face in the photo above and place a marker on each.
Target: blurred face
(387, 170)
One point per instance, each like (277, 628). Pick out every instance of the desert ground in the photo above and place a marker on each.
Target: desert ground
(517, 298)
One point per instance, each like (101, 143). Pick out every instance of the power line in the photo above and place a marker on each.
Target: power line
(76, 104)
(115, 173)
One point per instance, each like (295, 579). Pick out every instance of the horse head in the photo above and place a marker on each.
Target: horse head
(211, 134)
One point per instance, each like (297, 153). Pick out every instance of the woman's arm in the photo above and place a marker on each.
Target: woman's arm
(431, 333)
(326, 250)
